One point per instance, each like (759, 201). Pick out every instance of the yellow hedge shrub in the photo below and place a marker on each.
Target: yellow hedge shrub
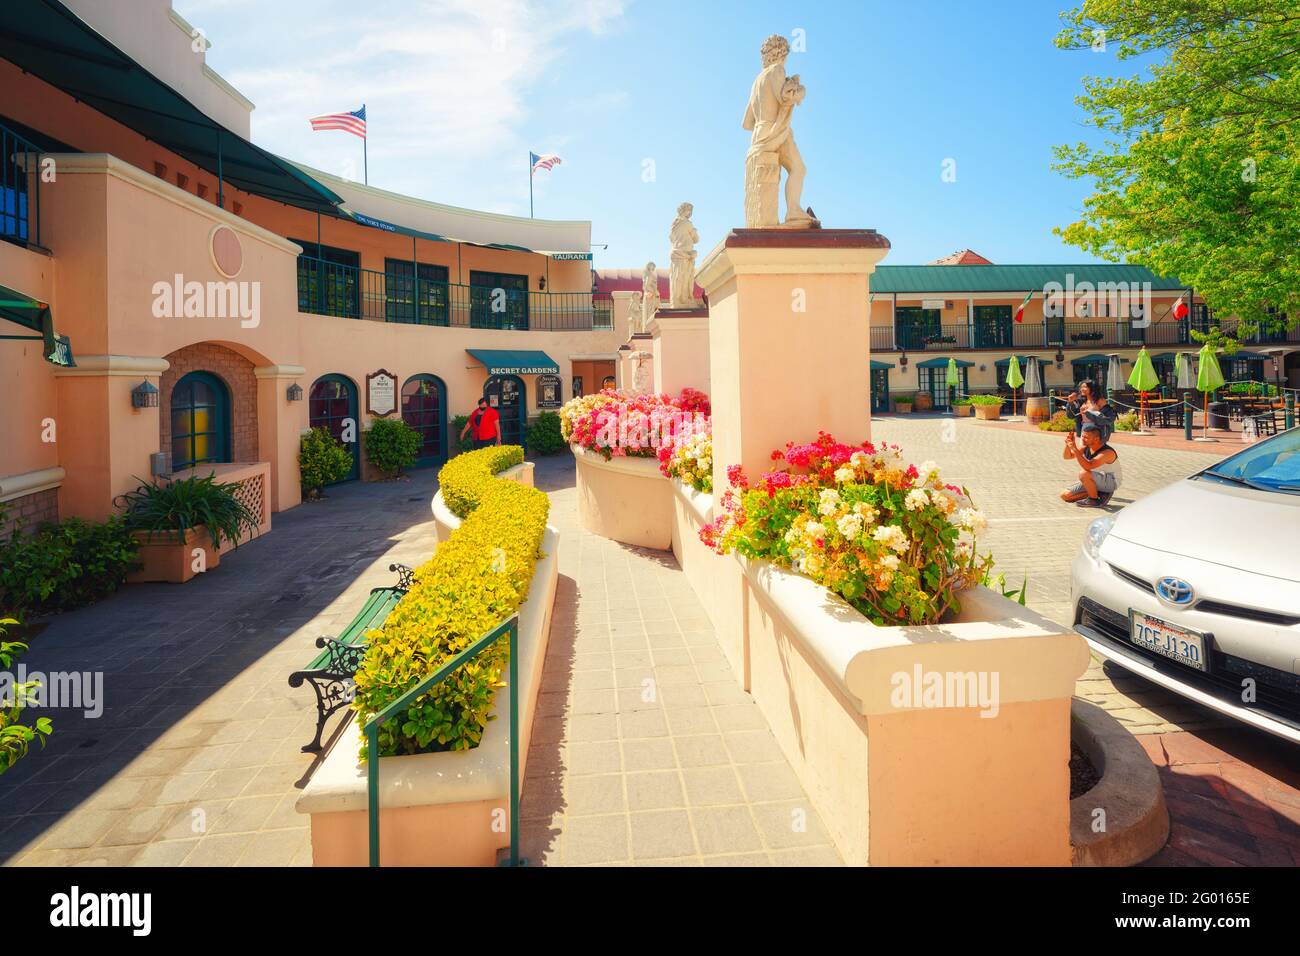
(473, 582)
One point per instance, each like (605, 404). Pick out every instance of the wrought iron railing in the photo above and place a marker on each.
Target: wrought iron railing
(350, 292)
(508, 629)
(20, 189)
(1055, 333)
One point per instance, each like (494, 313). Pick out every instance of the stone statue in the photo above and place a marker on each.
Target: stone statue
(681, 278)
(772, 99)
(649, 295)
(641, 381)
(634, 316)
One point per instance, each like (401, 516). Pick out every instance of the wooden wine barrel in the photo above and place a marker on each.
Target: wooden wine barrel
(1037, 409)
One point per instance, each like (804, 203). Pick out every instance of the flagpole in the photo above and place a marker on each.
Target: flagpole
(530, 185)
(365, 149)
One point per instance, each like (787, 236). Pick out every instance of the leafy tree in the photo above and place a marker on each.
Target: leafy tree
(1199, 173)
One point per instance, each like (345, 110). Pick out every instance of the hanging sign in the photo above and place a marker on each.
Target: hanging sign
(381, 393)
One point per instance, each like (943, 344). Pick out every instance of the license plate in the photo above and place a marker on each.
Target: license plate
(1168, 640)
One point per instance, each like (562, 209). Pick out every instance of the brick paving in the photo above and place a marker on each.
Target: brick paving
(1233, 792)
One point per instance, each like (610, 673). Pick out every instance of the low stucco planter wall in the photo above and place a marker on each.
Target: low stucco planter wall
(1123, 820)
(909, 782)
(444, 522)
(624, 499)
(438, 809)
(716, 580)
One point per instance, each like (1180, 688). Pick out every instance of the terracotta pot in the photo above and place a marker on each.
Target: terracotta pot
(903, 408)
(963, 411)
(164, 558)
(924, 402)
(987, 413)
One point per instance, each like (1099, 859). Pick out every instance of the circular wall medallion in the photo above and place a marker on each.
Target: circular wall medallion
(227, 252)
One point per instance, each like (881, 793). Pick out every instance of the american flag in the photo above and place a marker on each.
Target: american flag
(544, 161)
(354, 123)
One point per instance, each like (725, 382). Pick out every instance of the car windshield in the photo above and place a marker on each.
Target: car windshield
(1271, 465)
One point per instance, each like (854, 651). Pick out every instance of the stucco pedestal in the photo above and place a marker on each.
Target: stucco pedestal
(624, 499)
(680, 344)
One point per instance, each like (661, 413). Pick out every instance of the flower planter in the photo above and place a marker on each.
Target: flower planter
(883, 760)
(988, 413)
(444, 522)
(923, 402)
(903, 408)
(624, 499)
(437, 809)
(963, 411)
(164, 557)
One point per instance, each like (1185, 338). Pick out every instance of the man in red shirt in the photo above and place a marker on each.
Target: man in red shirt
(485, 421)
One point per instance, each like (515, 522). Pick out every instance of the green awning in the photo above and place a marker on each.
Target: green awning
(878, 366)
(1022, 359)
(943, 363)
(35, 315)
(1092, 359)
(515, 361)
(47, 40)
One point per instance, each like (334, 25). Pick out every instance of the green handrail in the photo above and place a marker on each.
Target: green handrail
(371, 729)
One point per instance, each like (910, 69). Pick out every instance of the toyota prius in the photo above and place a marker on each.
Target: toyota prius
(1197, 586)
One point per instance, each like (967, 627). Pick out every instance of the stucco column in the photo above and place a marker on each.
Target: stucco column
(789, 340)
(280, 424)
(679, 340)
(104, 443)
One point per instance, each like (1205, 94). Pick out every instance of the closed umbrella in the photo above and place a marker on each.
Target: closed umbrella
(1144, 379)
(1208, 377)
(953, 380)
(1014, 380)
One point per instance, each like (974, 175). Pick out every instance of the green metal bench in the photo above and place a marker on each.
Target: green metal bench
(331, 671)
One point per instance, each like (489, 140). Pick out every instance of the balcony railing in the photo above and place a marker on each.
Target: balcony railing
(20, 189)
(349, 292)
(1056, 333)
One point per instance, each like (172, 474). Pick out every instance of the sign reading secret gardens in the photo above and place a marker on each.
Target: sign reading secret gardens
(550, 391)
(381, 393)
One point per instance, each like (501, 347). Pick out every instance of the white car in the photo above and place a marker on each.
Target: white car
(1197, 586)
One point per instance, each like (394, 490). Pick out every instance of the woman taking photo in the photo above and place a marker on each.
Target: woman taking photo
(1087, 406)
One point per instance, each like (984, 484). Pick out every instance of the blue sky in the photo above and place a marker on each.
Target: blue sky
(458, 92)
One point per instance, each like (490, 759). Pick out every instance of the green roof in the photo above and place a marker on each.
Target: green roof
(49, 41)
(1014, 280)
(943, 363)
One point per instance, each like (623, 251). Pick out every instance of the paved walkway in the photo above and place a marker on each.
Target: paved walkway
(1233, 792)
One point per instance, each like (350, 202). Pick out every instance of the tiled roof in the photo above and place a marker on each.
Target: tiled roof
(629, 280)
(962, 257)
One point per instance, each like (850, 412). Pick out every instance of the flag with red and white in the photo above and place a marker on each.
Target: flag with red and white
(544, 161)
(354, 122)
(1020, 312)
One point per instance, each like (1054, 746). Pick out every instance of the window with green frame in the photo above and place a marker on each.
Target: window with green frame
(422, 302)
(200, 418)
(913, 325)
(498, 300)
(992, 326)
(329, 280)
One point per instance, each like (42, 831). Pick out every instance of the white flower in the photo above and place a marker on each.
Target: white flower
(916, 499)
(867, 512)
(844, 475)
(792, 536)
(971, 520)
(814, 530)
(928, 469)
(891, 536)
(830, 502)
(859, 458)
(889, 561)
(850, 525)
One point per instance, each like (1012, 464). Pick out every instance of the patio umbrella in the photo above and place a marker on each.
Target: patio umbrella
(1144, 379)
(953, 380)
(1114, 375)
(1208, 377)
(1014, 380)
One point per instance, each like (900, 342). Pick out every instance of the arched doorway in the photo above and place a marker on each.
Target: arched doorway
(333, 406)
(507, 395)
(200, 420)
(424, 408)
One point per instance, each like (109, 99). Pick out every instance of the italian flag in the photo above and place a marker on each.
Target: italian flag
(1180, 309)
(1020, 312)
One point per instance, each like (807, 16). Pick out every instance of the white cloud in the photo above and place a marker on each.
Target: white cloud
(445, 82)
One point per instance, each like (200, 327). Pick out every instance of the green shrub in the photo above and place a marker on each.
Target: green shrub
(65, 566)
(392, 445)
(1128, 422)
(963, 401)
(322, 460)
(16, 737)
(476, 579)
(172, 508)
(984, 400)
(1059, 422)
(459, 444)
(545, 435)
(903, 399)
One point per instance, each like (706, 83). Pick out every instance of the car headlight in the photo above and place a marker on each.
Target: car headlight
(1096, 534)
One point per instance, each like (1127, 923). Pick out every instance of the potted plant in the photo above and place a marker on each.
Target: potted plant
(172, 522)
(923, 401)
(903, 404)
(987, 407)
(962, 408)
